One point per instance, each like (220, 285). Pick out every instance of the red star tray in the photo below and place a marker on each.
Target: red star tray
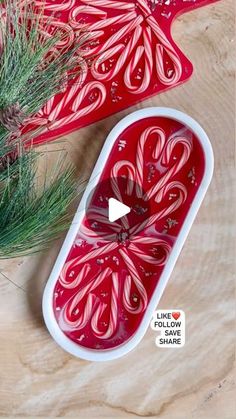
(132, 56)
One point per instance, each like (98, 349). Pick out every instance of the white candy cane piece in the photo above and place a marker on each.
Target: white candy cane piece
(65, 279)
(129, 167)
(89, 233)
(94, 253)
(147, 50)
(112, 325)
(59, 6)
(130, 183)
(48, 107)
(98, 217)
(87, 109)
(182, 194)
(145, 240)
(151, 259)
(166, 211)
(65, 321)
(122, 32)
(120, 5)
(88, 10)
(127, 50)
(90, 35)
(143, 6)
(96, 32)
(85, 38)
(78, 83)
(84, 92)
(160, 48)
(101, 217)
(110, 21)
(2, 30)
(127, 297)
(68, 38)
(71, 92)
(138, 284)
(164, 45)
(101, 59)
(37, 121)
(56, 111)
(100, 25)
(86, 290)
(159, 144)
(126, 294)
(177, 72)
(167, 152)
(67, 35)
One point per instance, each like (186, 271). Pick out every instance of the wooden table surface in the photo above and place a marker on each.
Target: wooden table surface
(37, 378)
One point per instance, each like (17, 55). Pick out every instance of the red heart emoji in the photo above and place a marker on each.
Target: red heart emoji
(176, 315)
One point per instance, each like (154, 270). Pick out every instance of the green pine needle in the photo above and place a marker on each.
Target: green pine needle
(31, 216)
(30, 74)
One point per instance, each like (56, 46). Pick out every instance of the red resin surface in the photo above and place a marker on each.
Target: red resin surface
(115, 321)
(93, 97)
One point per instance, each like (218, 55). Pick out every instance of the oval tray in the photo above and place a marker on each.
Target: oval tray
(109, 277)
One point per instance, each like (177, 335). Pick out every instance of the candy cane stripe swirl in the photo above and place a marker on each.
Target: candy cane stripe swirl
(111, 4)
(174, 170)
(78, 113)
(160, 136)
(83, 318)
(113, 312)
(154, 44)
(120, 39)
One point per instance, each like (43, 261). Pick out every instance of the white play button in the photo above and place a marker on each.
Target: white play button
(116, 209)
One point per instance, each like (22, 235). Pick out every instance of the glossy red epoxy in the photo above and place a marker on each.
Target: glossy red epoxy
(131, 56)
(113, 268)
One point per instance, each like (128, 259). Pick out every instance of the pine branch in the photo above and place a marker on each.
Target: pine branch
(32, 216)
(31, 70)
(30, 74)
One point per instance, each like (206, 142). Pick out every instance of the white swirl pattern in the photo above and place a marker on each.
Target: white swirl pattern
(136, 36)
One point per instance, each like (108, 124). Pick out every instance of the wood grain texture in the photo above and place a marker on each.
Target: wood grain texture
(38, 379)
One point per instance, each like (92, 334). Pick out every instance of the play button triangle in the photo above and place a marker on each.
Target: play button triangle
(116, 209)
